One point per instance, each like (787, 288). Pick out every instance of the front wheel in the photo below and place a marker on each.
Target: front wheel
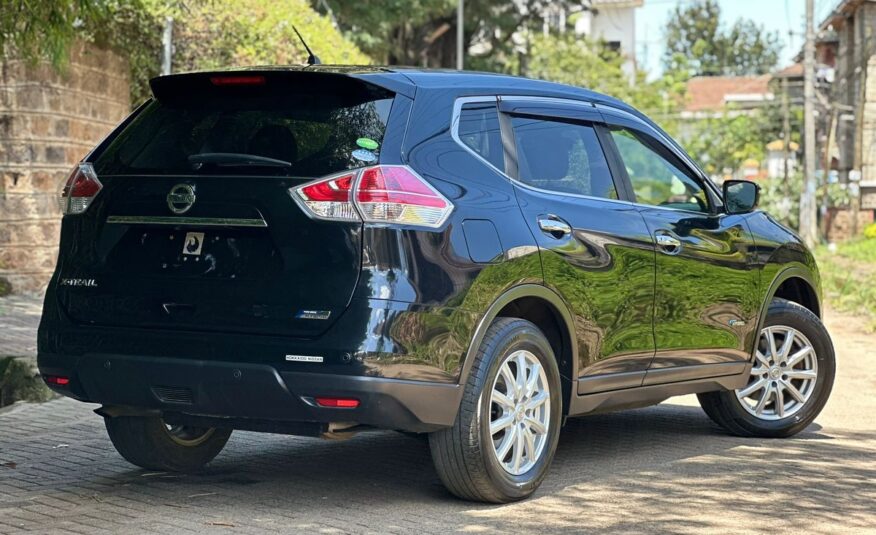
(790, 380)
(146, 441)
(506, 432)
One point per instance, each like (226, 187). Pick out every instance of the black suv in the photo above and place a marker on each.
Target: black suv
(323, 250)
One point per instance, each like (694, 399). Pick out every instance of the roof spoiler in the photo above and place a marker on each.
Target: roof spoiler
(243, 82)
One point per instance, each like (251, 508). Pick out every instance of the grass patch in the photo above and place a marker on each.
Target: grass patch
(848, 277)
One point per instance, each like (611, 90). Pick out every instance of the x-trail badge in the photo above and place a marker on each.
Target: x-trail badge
(181, 198)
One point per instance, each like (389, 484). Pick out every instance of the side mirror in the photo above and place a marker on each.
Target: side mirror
(740, 196)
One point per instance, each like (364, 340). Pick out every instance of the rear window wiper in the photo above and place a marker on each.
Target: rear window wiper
(234, 159)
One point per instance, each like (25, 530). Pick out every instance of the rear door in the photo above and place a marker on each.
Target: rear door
(706, 305)
(595, 248)
(195, 228)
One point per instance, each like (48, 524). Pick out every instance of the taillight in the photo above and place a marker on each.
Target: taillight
(81, 187)
(329, 198)
(380, 194)
(395, 194)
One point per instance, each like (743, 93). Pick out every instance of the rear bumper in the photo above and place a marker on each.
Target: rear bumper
(241, 392)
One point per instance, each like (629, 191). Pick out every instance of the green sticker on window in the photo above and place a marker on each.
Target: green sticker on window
(367, 143)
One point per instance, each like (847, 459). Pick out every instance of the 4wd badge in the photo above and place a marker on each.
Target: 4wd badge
(194, 243)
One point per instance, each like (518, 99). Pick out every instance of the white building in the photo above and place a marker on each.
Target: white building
(614, 22)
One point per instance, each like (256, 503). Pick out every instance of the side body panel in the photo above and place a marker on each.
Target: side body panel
(707, 285)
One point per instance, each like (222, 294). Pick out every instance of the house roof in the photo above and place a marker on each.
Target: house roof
(712, 93)
(616, 3)
(777, 145)
(795, 70)
(843, 10)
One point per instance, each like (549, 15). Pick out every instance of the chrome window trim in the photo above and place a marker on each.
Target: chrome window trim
(454, 133)
(454, 126)
(194, 221)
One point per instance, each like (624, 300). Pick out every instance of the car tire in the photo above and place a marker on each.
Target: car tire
(736, 414)
(147, 442)
(466, 456)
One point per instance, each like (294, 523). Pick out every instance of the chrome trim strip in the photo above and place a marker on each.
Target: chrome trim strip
(195, 221)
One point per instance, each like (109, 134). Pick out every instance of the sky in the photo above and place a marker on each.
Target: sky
(775, 15)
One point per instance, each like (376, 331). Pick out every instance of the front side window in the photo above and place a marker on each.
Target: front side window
(479, 130)
(562, 157)
(656, 180)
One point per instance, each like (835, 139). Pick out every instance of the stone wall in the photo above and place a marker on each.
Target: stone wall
(48, 122)
(839, 223)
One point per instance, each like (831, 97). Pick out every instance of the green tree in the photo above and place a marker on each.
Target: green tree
(44, 30)
(724, 142)
(697, 43)
(423, 32)
(569, 59)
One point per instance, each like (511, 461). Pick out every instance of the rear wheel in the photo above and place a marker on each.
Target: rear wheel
(790, 380)
(151, 444)
(508, 424)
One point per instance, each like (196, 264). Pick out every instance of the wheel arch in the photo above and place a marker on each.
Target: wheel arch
(794, 284)
(547, 310)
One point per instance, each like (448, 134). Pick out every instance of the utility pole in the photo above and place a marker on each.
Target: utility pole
(808, 229)
(460, 38)
(786, 128)
(167, 46)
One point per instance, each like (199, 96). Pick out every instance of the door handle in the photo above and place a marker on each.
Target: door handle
(668, 244)
(553, 225)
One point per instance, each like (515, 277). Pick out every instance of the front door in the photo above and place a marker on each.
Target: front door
(595, 248)
(706, 303)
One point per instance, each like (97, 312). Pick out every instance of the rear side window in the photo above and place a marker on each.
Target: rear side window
(562, 157)
(285, 133)
(479, 131)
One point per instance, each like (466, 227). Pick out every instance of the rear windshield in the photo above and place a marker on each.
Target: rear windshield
(252, 132)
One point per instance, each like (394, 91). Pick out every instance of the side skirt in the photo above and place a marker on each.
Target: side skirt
(673, 382)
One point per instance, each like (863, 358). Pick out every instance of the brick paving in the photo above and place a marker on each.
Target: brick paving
(660, 469)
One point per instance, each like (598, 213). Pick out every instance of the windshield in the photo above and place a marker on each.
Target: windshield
(305, 135)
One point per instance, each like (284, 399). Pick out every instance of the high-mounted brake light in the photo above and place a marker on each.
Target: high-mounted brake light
(378, 194)
(81, 187)
(237, 80)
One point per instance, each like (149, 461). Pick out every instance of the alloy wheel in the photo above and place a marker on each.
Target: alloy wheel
(783, 376)
(185, 435)
(520, 410)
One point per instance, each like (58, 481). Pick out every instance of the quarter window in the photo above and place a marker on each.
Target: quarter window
(562, 157)
(656, 180)
(479, 131)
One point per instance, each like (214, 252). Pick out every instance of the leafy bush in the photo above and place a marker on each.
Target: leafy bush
(848, 277)
(870, 231)
(18, 382)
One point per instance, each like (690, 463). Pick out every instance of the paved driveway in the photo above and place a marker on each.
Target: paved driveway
(665, 468)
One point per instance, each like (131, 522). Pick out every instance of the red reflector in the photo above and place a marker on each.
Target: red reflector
(238, 80)
(341, 403)
(57, 380)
